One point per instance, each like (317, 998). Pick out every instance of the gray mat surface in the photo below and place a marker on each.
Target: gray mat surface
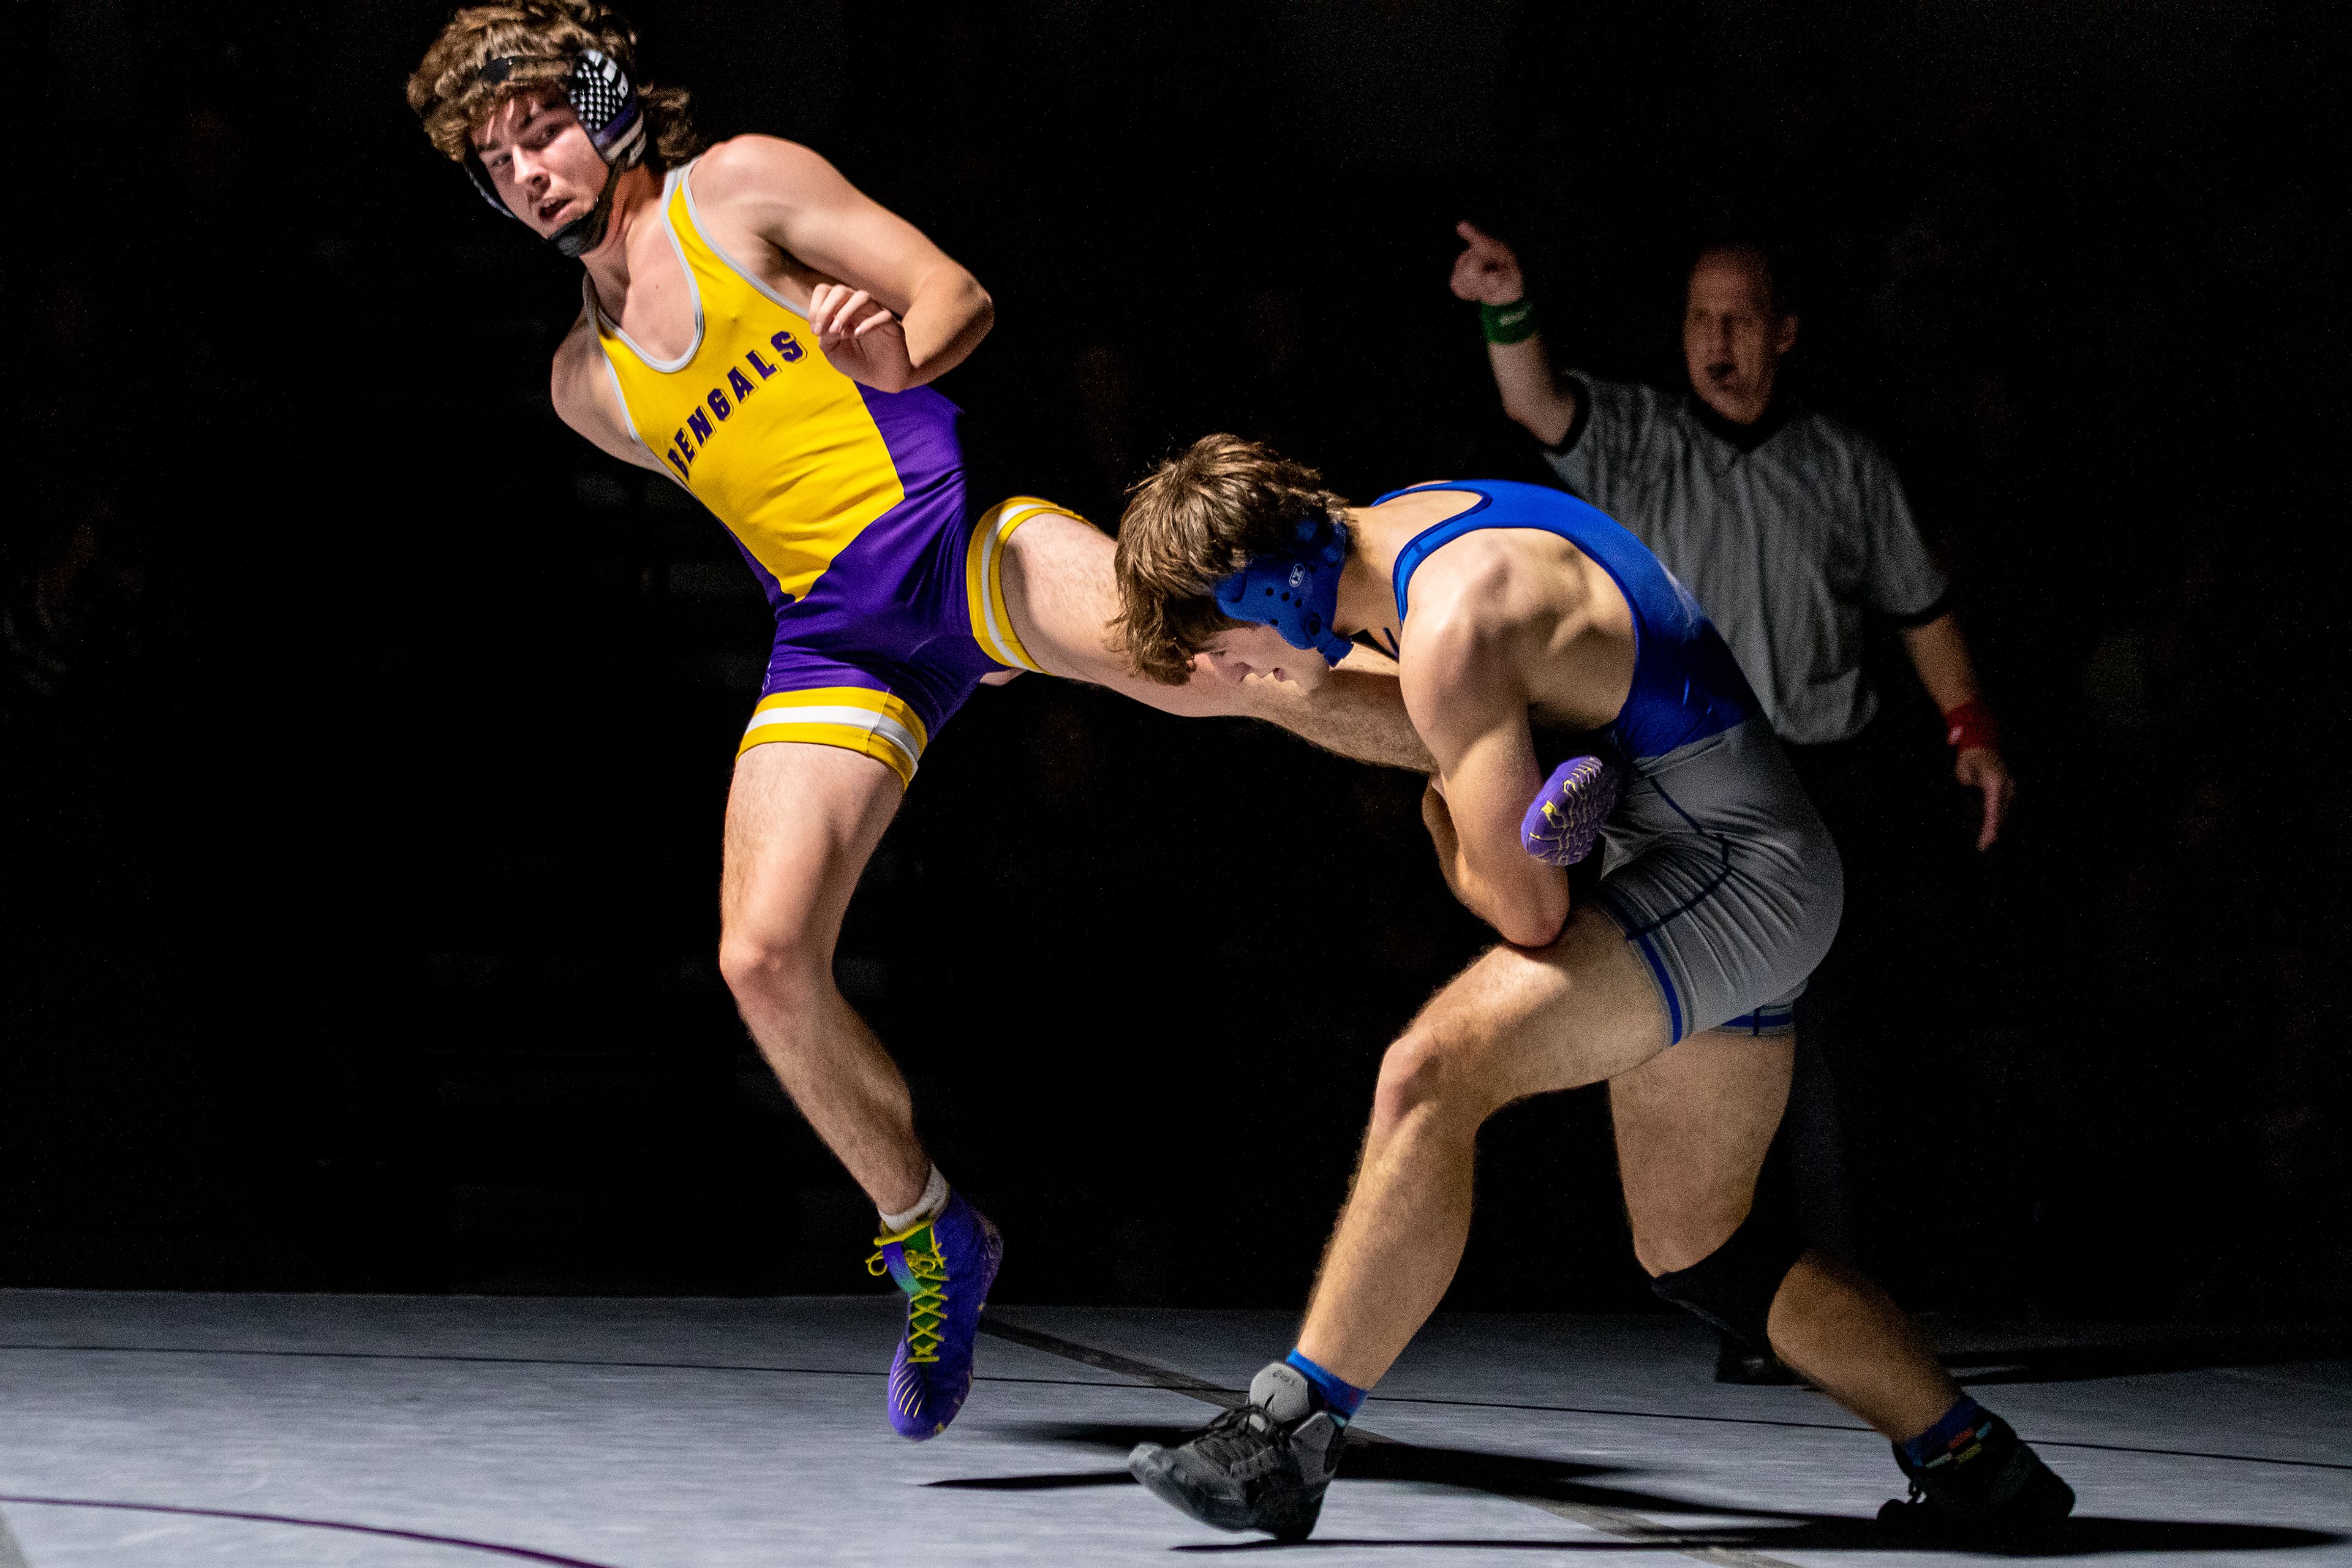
(189, 1431)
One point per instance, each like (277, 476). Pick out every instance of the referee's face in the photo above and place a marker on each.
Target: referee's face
(1732, 337)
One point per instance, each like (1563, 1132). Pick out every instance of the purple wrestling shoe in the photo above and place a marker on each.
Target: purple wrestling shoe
(945, 1264)
(1564, 824)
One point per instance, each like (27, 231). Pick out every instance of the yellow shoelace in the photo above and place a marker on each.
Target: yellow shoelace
(927, 1304)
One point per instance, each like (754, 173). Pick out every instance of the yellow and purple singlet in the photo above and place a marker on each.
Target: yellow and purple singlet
(849, 504)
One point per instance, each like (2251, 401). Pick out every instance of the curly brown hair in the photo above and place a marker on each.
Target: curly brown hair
(1196, 518)
(449, 93)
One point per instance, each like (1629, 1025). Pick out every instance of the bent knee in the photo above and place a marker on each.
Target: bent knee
(1422, 1075)
(1669, 1243)
(773, 966)
(1734, 1284)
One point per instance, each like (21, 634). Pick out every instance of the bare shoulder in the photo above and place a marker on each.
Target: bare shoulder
(1488, 584)
(760, 166)
(1460, 637)
(575, 360)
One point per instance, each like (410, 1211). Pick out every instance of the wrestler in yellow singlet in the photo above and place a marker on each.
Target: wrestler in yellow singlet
(849, 504)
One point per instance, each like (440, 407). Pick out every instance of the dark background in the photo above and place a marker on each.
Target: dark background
(363, 735)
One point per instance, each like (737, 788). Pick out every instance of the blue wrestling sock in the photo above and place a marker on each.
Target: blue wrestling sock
(1343, 1397)
(1954, 1432)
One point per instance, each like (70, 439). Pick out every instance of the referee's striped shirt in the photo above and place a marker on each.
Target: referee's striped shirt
(1786, 531)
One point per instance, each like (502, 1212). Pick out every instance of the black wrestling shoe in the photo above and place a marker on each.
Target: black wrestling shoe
(1990, 1489)
(1263, 1466)
(1735, 1360)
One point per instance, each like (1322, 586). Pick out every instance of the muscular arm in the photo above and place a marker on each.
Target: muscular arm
(800, 204)
(1358, 710)
(1358, 714)
(1467, 700)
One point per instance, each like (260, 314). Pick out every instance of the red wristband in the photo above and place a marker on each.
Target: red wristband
(1972, 724)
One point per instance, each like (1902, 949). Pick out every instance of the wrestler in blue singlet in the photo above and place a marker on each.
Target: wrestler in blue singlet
(1716, 866)
(1686, 686)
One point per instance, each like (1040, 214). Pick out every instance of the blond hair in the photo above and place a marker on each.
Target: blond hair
(1195, 520)
(449, 93)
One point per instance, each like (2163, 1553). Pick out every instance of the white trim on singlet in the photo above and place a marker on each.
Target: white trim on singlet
(621, 400)
(694, 291)
(702, 232)
(881, 726)
(999, 640)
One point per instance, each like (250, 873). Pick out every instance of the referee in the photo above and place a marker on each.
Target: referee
(1790, 527)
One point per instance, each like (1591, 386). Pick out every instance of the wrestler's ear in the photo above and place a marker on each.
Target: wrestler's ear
(1784, 333)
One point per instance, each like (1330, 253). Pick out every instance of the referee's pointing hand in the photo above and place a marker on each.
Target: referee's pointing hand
(1487, 273)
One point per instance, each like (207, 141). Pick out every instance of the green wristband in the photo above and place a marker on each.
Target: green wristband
(1511, 324)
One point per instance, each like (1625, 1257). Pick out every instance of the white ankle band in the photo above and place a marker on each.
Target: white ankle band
(935, 1197)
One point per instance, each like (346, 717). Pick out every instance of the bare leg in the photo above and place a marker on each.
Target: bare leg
(1514, 1024)
(801, 822)
(1059, 589)
(1693, 1126)
(1851, 1340)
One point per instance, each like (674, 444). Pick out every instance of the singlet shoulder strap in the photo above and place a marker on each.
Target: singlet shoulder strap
(1470, 485)
(685, 220)
(1418, 548)
(710, 254)
(608, 330)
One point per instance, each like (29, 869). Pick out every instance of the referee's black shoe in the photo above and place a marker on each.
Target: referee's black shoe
(1737, 1361)
(1261, 1466)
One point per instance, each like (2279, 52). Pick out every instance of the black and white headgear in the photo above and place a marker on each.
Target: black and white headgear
(607, 108)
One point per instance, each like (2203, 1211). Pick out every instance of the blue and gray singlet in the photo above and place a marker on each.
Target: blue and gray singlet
(1715, 863)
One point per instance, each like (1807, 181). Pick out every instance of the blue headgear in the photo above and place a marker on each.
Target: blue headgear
(1297, 591)
(611, 112)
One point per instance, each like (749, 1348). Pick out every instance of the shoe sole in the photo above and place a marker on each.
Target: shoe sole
(1156, 1468)
(1564, 824)
(2032, 1519)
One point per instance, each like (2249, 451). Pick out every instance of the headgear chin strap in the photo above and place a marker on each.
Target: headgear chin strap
(1295, 592)
(608, 109)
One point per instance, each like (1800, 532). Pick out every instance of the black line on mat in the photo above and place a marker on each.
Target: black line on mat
(1110, 1361)
(2193, 1454)
(526, 1553)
